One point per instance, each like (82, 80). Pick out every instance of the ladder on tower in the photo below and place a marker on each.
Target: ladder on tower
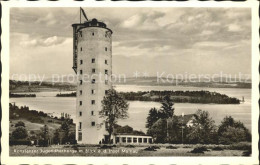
(75, 41)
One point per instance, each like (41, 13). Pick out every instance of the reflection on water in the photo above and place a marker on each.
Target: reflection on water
(138, 110)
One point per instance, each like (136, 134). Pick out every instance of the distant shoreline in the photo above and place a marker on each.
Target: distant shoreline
(36, 89)
(26, 86)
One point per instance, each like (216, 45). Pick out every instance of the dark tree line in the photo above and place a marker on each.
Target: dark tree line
(181, 97)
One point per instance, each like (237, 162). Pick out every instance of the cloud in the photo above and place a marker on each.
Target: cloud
(234, 28)
(50, 41)
(207, 32)
(143, 21)
(210, 44)
(28, 43)
(133, 21)
(49, 19)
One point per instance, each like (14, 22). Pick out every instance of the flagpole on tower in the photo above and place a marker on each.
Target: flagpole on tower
(84, 14)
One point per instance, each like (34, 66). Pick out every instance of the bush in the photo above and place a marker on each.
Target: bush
(20, 133)
(149, 149)
(43, 143)
(217, 149)
(19, 142)
(155, 147)
(171, 147)
(232, 135)
(130, 146)
(199, 150)
(247, 153)
(20, 124)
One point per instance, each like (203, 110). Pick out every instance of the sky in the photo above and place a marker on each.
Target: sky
(145, 40)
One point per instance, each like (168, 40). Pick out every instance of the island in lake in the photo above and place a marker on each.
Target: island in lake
(13, 95)
(205, 97)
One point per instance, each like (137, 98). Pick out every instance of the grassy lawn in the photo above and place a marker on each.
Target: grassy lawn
(32, 126)
(92, 150)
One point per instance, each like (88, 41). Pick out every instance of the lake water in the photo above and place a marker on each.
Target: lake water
(138, 110)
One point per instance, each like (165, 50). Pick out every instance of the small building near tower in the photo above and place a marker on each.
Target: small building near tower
(127, 139)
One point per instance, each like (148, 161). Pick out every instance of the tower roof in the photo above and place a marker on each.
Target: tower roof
(92, 23)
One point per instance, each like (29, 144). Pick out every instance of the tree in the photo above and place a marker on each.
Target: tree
(65, 127)
(203, 129)
(167, 110)
(232, 135)
(227, 128)
(151, 118)
(56, 138)
(20, 133)
(114, 107)
(45, 134)
(20, 124)
(174, 130)
(158, 131)
(72, 138)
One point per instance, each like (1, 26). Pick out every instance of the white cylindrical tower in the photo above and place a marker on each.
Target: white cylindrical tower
(92, 61)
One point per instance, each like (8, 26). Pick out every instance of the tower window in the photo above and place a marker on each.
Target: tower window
(80, 125)
(105, 48)
(93, 81)
(80, 92)
(105, 61)
(93, 70)
(93, 34)
(80, 82)
(81, 62)
(93, 91)
(80, 48)
(81, 71)
(80, 136)
(92, 102)
(80, 102)
(93, 123)
(80, 113)
(92, 113)
(106, 71)
(93, 60)
(106, 92)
